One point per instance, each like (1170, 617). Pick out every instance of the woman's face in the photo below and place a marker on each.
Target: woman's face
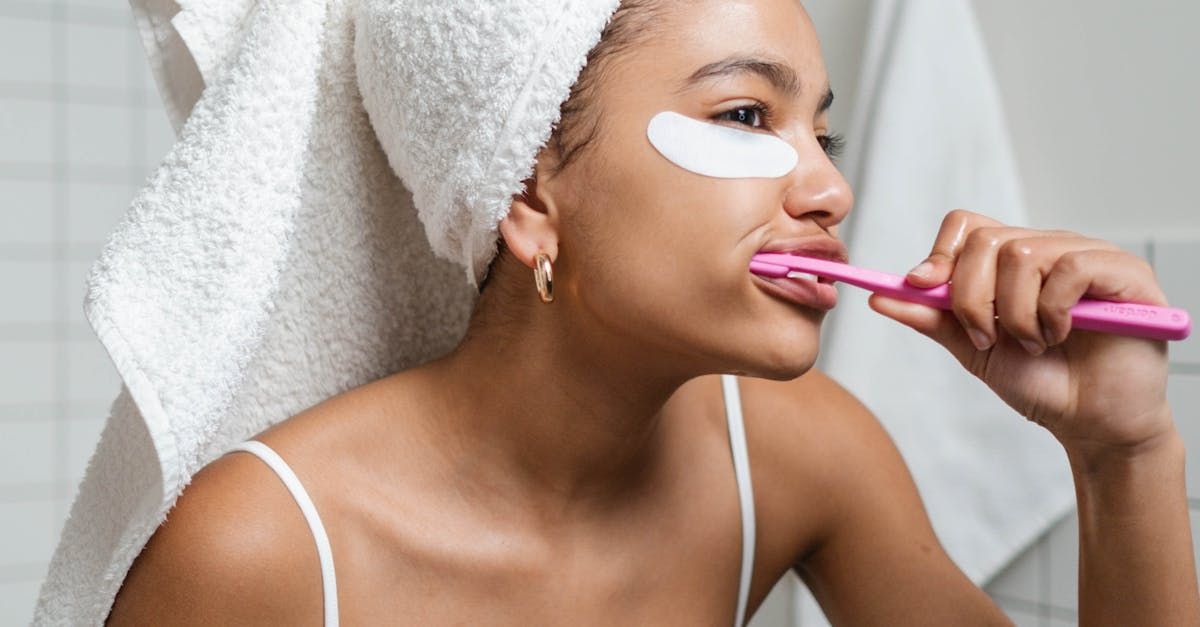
(657, 253)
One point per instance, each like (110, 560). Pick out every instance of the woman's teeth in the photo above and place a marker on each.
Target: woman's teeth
(796, 274)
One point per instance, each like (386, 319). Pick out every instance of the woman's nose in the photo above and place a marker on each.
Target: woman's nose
(818, 190)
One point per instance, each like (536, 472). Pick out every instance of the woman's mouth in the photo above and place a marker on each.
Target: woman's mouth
(802, 289)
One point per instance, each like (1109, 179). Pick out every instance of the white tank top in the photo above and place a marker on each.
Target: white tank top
(741, 469)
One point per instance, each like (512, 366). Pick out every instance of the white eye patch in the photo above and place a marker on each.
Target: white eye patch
(719, 151)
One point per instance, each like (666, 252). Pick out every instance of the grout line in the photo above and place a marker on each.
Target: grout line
(61, 181)
(25, 412)
(138, 102)
(74, 94)
(74, 252)
(1042, 610)
(83, 173)
(59, 13)
(83, 411)
(43, 332)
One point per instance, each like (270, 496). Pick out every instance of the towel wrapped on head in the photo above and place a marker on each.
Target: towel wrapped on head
(461, 125)
(339, 165)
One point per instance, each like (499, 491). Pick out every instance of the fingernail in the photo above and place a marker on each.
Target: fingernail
(1033, 347)
(922, 270)
(979, 338)
(1047, 335)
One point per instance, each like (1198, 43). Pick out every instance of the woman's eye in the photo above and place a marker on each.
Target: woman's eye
(745, 114)
(832, 145)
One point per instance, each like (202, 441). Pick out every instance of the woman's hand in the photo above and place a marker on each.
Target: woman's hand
(1012, 287)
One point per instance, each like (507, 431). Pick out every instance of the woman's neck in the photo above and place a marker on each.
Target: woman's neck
(577, 421)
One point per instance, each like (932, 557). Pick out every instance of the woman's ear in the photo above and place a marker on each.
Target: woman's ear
(531, 225)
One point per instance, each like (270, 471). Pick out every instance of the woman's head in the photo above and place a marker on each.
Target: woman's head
(654, 256)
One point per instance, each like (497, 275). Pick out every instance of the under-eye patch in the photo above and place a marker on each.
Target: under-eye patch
(719, 151)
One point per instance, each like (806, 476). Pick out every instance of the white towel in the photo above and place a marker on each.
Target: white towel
(275, 258)
(928, 135)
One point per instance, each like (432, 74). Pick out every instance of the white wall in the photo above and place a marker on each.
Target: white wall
(1102, 98)
(80, 128)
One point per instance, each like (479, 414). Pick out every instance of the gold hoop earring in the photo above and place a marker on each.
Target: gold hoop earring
(543, 275)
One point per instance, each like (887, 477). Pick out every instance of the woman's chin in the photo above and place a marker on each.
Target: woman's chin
(783, 357)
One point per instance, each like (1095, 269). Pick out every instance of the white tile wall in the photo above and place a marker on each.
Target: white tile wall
(1061, 545)
(25, 50)
(28, 369)
(15, 605)
(98, 134)
(81, 129)
(27, 127)
(27, 453)
(25, 220)
(1022, 616)
(1022, 579)
(93, 208)
(1177, 264)
(28, 534)
(1183, 393)
(31, 293)
(90, 374)
(98, 55)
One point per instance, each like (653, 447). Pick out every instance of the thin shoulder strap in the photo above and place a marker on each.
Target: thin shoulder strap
(741, 469)
(324, 551)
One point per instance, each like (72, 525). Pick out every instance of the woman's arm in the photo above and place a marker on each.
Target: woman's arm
(1101, 395)
(879, 561)
(1136, 562)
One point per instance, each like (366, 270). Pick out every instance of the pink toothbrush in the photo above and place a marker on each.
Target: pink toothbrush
(1135, 319)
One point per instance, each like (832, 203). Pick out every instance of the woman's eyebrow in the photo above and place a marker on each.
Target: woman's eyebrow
(781, 76)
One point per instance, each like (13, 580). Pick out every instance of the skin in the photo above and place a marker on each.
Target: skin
(592, 482)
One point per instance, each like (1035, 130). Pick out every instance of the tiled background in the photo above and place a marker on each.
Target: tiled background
(80, 129)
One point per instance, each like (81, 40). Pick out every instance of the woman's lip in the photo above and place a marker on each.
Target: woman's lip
(821, 296)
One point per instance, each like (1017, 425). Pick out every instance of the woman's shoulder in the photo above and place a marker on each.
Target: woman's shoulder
(805, 437)
(802, 414)
(234, 549)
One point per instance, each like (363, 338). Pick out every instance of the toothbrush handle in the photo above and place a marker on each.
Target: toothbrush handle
(1133, 319)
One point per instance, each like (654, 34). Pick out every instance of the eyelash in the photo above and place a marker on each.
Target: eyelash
(832, 144)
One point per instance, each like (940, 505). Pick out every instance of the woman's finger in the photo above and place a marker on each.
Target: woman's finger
(1022, 265)
(1102, 274)
(951, 237)
(974, 291)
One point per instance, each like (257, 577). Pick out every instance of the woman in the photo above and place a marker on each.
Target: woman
(569, 461)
